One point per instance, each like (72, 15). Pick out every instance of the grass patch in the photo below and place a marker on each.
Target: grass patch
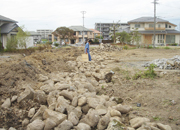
(156, 118)
(166, 47)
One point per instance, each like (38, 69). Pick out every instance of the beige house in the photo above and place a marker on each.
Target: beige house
(78, 31)
(8, 28)
(165, 31)
(95, 33)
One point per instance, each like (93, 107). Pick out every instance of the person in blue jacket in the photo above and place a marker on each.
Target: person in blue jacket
(87, 49)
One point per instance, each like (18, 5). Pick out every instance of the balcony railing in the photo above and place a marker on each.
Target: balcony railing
(152, 28)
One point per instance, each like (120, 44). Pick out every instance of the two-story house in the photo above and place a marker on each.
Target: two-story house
(165, 31)
(8, 28)
(78, 37)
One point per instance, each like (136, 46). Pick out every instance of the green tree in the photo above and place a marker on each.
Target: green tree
(123, 37)
(22, 37)
(136, 37)
(97, 38)
(64, 32)
(12, 43)
(113, 29)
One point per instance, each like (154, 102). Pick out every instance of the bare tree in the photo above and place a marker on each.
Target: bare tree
(114, 28)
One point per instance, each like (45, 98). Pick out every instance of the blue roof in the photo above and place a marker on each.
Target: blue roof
(2, 18)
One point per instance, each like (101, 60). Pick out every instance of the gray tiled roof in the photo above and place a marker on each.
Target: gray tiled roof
(79, 28)
(146, 19)
(2, 18)
(8, 27)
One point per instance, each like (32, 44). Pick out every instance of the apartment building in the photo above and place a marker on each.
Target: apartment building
(44, 33)
(165, 31)
(105, 28)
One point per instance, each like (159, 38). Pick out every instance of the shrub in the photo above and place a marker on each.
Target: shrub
(167, 47)
(12, 44)
(125, 47)
(149, 47)
(174, 44)
(56, 44)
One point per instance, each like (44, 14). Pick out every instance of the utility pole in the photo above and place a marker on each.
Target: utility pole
(100, 33)
(154, 38)
(83, 12)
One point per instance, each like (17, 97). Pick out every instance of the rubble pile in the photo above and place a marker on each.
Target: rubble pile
(109, 48)
(172, 63)
(69, 101)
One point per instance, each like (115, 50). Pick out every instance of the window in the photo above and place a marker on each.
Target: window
(80, 39)
(85, 33)
(169, 26)
(151, 25)
(159, 25)
(80, 33)
(170, 38)
(137, 26)
(166, 26)
(160, 38)
(90, 33)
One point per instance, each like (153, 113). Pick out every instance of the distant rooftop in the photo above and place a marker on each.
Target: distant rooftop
(146, 19)
(95, 31)
(5, 19)
(34, 33)
(79, 28)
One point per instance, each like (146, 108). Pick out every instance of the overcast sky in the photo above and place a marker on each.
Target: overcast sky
(50, 14)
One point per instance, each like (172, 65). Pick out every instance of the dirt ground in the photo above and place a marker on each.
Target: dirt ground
(159, 97)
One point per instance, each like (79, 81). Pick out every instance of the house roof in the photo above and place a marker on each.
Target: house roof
(8, 27)
(160, 32)
(79, 28)
(94, 30)
(146, 19)
(2, 18)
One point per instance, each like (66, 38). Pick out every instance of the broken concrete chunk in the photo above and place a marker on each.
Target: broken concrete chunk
(49, 124)
(138, 121)
(14, 98)
(75, 101)
(67, 94)
(27, 94)
(123, 108)
(163, 127)
(60, 86)
(31, 112)
(36, 125)
(40, 97)
(65, 125)
(103, 122)
(42, 78)
(25, 122)
(82, 101)
(7, 103)
(93, 102)
(55, 116)
(83, 126)
(73, 118)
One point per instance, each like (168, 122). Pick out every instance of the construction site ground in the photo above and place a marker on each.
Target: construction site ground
(159, 97)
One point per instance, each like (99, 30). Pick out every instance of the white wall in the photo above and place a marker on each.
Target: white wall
(30, 43)
(177, 39)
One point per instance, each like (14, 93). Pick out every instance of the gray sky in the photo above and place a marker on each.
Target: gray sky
(50, 14)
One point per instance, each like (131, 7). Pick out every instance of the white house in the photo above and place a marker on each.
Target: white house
(8, 28)
(165, 31)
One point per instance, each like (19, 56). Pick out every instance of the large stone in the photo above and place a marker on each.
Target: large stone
(61, 104)
(27, 94)
(101, 109)
(14, 98)
(163, 127)
(42, 78)
(123, 108)
(115, 125)
(83, 126)
(90, 87)
(47, 88)
(110, 103)
(92, 118)
(82, 101)
(49, 82)
(55, 116)
(93, 102)
(51, 99)
(75, 101)
(170, 62)
(49, 124)
(25, 122)
(40, 97)
(65, 125)
(39, 113)
(138, 121)
(67, 94)
(7, 103)
(60, 86)
(103, 122)
(85, 108)
(73, 118)
(31, 112)
(114, 112)
(36, 125)
(11, 128)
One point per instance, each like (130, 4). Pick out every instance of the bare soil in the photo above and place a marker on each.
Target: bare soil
(159, 97)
